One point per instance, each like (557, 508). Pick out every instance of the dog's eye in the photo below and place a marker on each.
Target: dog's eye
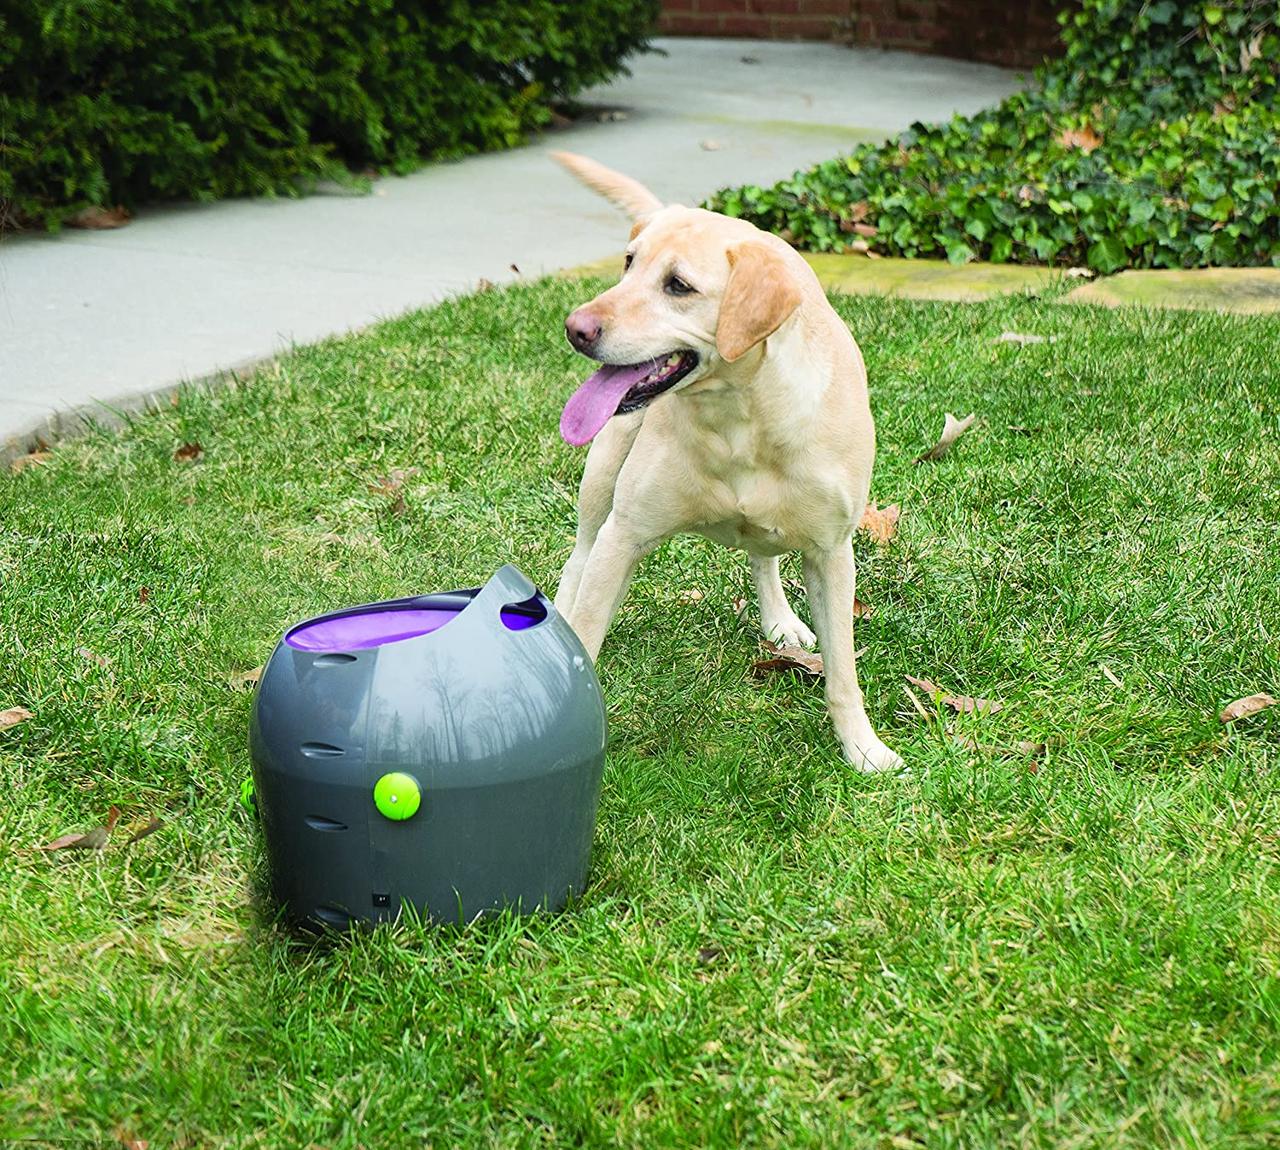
(626, 263)
(677, 286)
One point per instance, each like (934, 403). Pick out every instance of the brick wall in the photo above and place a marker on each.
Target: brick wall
(1017, 35)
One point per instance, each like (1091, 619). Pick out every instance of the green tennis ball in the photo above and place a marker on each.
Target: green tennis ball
(397, 795)
(248, 798)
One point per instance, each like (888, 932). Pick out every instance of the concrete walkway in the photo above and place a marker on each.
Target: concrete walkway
(94, 318)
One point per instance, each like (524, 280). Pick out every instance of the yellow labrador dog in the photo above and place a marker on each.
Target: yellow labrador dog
(731, 402)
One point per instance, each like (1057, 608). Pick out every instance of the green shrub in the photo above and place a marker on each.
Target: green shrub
(1152, 142)
(126, 101)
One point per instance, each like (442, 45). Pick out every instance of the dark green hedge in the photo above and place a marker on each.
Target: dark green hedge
(1153, 142)
(126, 101)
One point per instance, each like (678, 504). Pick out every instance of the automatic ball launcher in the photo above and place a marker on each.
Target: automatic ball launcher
(442, 752)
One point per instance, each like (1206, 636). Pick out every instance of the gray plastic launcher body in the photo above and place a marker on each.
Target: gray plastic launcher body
(477, 712)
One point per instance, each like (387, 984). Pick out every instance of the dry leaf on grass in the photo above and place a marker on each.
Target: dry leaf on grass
(787, 659)
(881, 523)
(1084, 138)
(94, 840)
(144, 593)
(31, 459)
(1023, 747)
(188, 453)
(244, 680)
(13, 716)
(964, 704)
(100, 219)
(952, 429)
(1243, 708)
(140, 830)
(861, 610)
(392, 486)
(740, 607)
(692, 595)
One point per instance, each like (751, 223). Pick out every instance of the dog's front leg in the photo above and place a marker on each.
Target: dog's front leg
(829, 579)
(605, 579)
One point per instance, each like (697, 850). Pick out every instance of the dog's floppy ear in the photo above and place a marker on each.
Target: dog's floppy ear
(759, 297)
(630, 195)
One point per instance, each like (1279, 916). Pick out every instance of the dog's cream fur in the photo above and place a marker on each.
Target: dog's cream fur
(766, 445)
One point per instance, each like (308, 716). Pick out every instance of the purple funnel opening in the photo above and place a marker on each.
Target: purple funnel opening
(364, 629)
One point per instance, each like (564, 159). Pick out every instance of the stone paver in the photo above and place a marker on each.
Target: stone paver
(1247, 290)
(93, 317)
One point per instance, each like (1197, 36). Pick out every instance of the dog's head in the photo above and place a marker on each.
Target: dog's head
(699, 290)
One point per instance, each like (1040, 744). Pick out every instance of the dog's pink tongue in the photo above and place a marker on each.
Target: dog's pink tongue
(590, 407)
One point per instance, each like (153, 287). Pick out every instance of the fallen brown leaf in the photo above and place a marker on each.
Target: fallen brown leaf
(1084, 138)
(242, 680)
(144, 593)
(1024, 747)
(692, 595)
(13, 716)
(787, 659)
(94, 840)
(128, 1141)
(881, 523)
(31, 459)
(100, 219)
(963, 704)
(708, 954)
(952, 429)
(1242, 708)
(188, 453)
(392, 486)
(740, 607)
(861, 610)
(141, 830)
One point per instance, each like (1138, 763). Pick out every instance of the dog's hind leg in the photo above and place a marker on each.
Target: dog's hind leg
(595, 499)
(778, 620)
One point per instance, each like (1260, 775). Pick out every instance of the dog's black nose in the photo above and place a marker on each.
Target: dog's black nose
(582, 328)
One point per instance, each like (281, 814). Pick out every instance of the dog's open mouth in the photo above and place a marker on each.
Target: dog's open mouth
(617, 389)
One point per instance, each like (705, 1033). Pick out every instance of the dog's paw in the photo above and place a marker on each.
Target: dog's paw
(790, 632)
(874, 758)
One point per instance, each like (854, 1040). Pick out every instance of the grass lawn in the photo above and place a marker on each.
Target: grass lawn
(1079, 949)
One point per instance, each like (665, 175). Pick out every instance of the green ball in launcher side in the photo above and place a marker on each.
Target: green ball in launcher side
(397, 796)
